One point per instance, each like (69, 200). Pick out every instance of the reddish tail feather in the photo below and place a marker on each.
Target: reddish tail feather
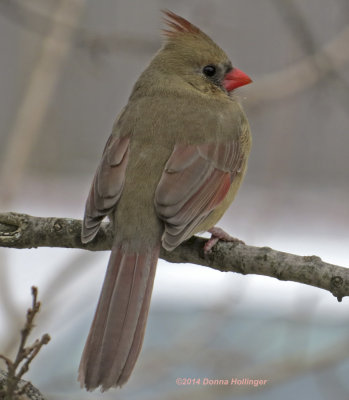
(116, 335)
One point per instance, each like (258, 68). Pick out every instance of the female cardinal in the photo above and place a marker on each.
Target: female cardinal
(171, 167)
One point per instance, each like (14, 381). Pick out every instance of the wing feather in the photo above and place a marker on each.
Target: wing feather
(195, 181)
(107, 185)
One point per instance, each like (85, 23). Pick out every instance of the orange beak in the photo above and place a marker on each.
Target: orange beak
(235, 78)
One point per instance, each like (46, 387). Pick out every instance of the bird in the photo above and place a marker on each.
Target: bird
(171, 167)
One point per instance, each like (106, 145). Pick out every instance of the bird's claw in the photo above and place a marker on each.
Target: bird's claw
(216, 235)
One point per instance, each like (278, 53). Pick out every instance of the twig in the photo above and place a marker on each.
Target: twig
(24, 231)
(302, 74)
(36, 21)
(25, 355)
(34, 104)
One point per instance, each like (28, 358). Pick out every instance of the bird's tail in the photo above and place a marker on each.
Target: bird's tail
(116, 335)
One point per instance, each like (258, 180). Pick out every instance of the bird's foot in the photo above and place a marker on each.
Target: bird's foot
(216, 235)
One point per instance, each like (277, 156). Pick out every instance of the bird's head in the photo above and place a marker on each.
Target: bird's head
(192, 55)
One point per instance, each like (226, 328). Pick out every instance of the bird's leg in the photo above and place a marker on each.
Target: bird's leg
(216, 235)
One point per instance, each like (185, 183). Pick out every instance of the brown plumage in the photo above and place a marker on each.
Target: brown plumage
(171, 167)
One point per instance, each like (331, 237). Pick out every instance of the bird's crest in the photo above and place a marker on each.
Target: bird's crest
(178, 25)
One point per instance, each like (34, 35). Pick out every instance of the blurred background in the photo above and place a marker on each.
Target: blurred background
(66, 69)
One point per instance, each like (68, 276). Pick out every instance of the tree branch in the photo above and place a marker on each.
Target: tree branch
(23, 231)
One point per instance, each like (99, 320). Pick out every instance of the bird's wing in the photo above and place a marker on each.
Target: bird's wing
(107, 185)
(195, 181)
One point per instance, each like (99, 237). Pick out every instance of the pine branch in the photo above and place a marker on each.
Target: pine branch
(24, 231)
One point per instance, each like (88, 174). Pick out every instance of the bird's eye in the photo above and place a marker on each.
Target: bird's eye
(209, 70)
